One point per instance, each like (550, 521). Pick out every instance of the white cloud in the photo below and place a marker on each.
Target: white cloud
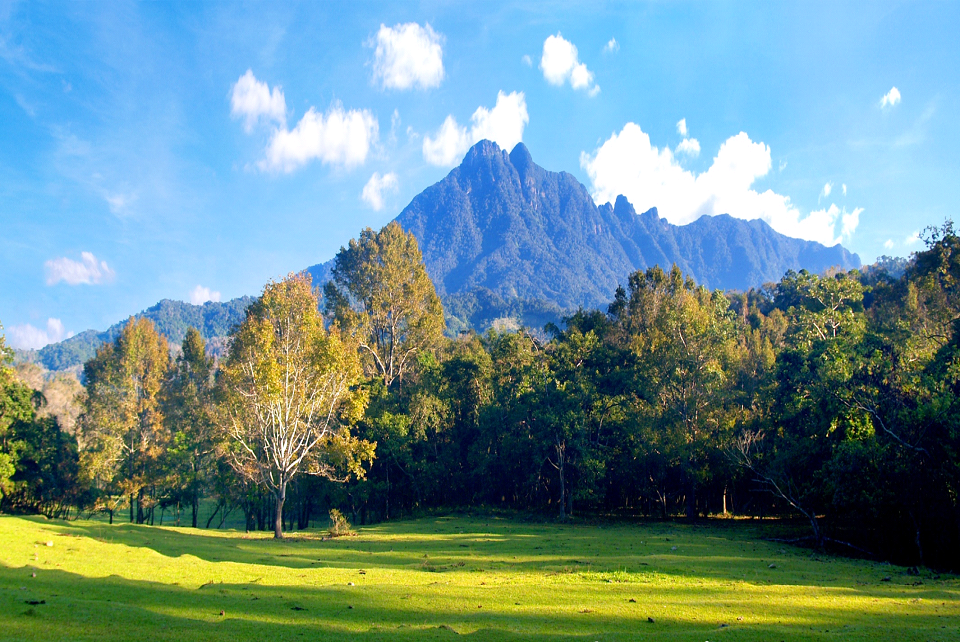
(825, 192)
(561, 63)
(87, 270)
(408, 55)
(527, 60)
(682, 127)
(119, 203)
(27, 337)
(891, 98)
(849, 221)
(627, 163)
(912, 239)
(503, 125)
(783, 165)
(689, 146)
(844, 186)
(338, 137)
(888, 244)
(373, 191)
(612, 46)
(200, 295)
(253, 100)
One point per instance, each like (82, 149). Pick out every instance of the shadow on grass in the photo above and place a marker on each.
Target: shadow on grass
(70, 606)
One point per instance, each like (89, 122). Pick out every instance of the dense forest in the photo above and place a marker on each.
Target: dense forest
(828, 399)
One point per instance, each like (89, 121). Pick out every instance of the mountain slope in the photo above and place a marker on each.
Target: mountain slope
(172, 319)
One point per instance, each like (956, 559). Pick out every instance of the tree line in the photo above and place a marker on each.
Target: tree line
(827, 398)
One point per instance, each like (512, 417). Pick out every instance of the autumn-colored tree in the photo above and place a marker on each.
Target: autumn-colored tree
(381, 294)
(122, 434)
(292, 394)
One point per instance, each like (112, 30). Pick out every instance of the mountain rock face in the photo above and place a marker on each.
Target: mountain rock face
(500, 222)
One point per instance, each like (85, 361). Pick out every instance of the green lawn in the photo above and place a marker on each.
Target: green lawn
(486, 578)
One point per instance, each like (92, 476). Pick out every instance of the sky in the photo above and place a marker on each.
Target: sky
(195, 151)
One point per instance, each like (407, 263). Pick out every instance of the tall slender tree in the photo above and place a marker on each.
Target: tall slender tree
(123, 435)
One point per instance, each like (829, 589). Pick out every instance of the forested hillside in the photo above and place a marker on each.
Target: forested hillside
(172, 319)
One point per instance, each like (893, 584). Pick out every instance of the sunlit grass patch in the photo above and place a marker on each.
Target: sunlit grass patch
(492, 578)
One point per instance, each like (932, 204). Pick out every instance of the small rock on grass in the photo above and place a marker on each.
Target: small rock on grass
(650, 620)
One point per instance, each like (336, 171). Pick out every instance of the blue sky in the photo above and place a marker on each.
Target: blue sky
(194, 151)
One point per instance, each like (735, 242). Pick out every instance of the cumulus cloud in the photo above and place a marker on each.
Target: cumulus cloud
(27, 337)
(88, 270)
(891, 98)
(561, 63)
(253, 101)
(338, 137)
(888, 244)
(844, 186)
(200, 295)
(527, 60)
(682, 127)
(612, 46)
(627, 163)
(825, 192)
(373, 191)
(408, 55)
(912, 239)
(503, 125)
(689, 146)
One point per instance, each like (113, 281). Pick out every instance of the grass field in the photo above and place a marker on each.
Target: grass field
(487, 578)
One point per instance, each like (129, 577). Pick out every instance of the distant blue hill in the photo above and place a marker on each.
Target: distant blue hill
(172, 319)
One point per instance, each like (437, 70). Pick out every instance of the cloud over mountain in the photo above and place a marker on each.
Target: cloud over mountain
(560, 63)
(628, 163)
(503, 125)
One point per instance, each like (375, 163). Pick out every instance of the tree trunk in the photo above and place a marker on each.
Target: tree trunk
(563, 487)
(131, 507)
(691, 498)
(281, 495)
(196, 508)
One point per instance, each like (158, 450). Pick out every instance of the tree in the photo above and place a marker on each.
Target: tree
(292, 390)
(683, 339)
(381, 294)
(122, 431)
(16, 405)
(190, 414)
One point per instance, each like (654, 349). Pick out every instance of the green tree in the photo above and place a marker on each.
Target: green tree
(16, 405)
(683, 338)
(292, 394)
(381, 294)
(190, 413)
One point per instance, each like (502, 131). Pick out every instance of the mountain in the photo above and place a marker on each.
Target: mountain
(505, 240)
(172, 319)
(501, 222)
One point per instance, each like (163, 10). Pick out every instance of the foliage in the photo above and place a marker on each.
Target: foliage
(339, 526)
(381, 295)
(292, 394)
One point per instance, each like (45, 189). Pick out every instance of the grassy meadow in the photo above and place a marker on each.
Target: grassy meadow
(488, 578)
